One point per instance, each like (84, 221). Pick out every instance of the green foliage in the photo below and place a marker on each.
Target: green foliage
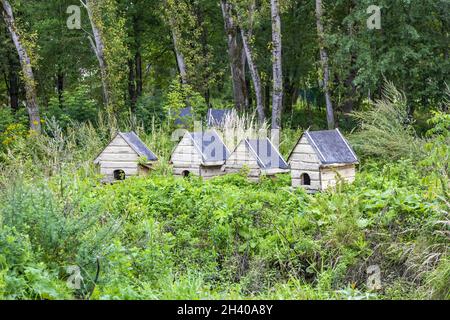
(240, 238)
(180, 96)
(76, 105)
(386, 129)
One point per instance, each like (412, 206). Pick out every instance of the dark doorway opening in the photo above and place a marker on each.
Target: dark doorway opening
(119, 175)
(306, 179)
(186, 174)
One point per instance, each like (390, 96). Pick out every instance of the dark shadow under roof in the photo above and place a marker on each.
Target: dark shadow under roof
(136, 143)
(331, 147)
(210, 146)
(267, 155)
(216, 117)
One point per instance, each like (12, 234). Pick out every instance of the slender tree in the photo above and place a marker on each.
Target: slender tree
(254, 72)
(324, 64)
(181, 62)
(277, 94)
(98, 46)
(27, 71)
(236, 57)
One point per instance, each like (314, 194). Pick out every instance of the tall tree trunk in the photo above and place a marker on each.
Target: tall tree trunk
(324, 64)
(277, 94)
(182, 69)
(255, 77)
(12, 82)
(139, 79)
(60, 87)
(98, 47)
(25, 62)
(237, 59)
(254, 72)
(132, 92)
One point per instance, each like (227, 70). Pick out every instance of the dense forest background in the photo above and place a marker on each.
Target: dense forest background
(147, 47)
(68, 85)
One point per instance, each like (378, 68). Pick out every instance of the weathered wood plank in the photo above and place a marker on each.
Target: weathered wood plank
(213, 172)
(119, 150)
(303, 157)
(314, 175)
(118, 157)
(128, 171)
(186, 141)
(186, 150)
(298, 165)
(119, 142)
(304, 148)
(344, 172)
(186, 158)
(118, 165)
(315, 184)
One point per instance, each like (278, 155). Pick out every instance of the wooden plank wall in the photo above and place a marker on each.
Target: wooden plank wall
(242, 157)
(178, 170)
(211, 172)
(118, 155)
(304, 160)
(186, 157)
(331, 176)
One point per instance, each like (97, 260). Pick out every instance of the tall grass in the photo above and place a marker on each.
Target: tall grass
(386, 130)
(238, 127)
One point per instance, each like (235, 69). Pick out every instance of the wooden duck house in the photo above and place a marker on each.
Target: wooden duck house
(126, 155)
(259, 156)
(321, 159)
(199, 153)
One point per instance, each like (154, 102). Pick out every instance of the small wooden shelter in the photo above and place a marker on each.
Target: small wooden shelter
(258, 155)
(321, 159)
(199, 153)
(125, 156)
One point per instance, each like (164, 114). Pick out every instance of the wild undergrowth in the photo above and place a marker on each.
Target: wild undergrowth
(159, 237)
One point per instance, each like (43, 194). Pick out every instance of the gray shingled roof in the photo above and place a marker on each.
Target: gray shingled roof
(266, 154)
(183, 116)
(138, 146)
(331, 147)
(210, 146)
(216, 117)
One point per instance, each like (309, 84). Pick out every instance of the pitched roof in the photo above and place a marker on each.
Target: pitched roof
(210, 145)
(182, 116)
(331, 147)
(216, 117)
(266, 154)
(138, 146)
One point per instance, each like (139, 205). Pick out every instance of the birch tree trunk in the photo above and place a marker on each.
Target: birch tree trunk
(98, 47)
(253, 68)
(181, 63)
(179, 56)
(277, 94)
(324, 64)
(255, 77)
(236, 57)
(25, 62)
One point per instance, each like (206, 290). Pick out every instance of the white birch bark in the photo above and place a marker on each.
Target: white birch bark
(277, 94)
(324, 64)
(25, 62)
